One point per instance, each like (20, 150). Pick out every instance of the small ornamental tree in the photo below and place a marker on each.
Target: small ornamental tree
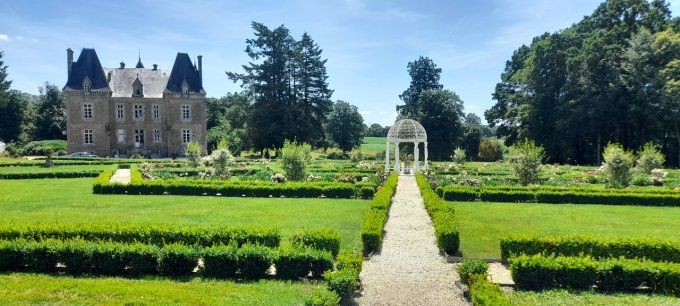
(490, 150)
(193, 153)
(649, 158)
(526, 159)
(459, 155)
(295, 157)
(617, 165)
(221, 158)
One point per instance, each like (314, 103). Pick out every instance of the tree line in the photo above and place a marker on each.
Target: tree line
(613, 77)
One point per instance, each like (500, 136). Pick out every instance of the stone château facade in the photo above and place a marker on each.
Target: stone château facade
(123, 111)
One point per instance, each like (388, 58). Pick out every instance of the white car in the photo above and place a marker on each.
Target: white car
(82, 154)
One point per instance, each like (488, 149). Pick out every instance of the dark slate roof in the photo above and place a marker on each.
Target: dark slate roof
(139, 63)
(153, 81)
(182, 70)
(87, 65)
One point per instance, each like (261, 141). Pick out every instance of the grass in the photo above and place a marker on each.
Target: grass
(64, 168)
(563, 297)
(72, 201)
(373, 145)
(482, 224)
(19, 288)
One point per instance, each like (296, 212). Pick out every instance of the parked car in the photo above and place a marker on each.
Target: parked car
(82, 154)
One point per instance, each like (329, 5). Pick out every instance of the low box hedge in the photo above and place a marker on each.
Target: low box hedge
(296, 263)
(321, 239)
(375, 218)
(598, 247)
(148, 234)
(485, 293)
(538, 272)
(44, 175)
(442, 215)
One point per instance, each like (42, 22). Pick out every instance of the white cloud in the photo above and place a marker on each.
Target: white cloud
(20, 38)
(4, 37)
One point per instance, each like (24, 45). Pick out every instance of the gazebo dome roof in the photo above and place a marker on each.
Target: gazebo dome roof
(407, 130)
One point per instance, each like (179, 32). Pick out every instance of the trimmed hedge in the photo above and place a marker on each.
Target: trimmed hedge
(296, 263)
(375, 218)
(177, 260)
(468, 268)
(322, 297)
(486, 293)
(648, 248)
(343, 282)
(220, 261)
(43, 175)
(657, 197)
(321, 239)
(253, 261)
(148, 234)
(250, 188)
(538, 272)
(442, 214)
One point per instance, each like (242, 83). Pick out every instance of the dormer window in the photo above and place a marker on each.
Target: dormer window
(185, 88)
(87, 85)
(137, 88)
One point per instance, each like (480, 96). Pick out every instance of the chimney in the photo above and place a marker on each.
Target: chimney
(155, 67)
(122, 65)
(200, 68)
(69, 60)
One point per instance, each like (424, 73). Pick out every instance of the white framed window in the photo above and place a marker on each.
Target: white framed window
(185, 112)
(88, 136)
(120, 112)
(156, 135)
(186, 136)
(120, 135)
(138, 112)
(87, 111)
(156, 111)
(139, 138)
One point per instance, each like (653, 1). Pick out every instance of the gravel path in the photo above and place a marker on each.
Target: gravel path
(409, 269)
(121, 176)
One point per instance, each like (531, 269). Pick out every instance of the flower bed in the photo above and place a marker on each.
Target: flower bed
(652, 249)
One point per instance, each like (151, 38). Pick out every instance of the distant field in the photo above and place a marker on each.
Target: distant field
(72, 201)
(373, 145)
(482, 224)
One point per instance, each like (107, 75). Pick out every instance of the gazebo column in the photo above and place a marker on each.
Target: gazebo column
(396, 157)
(387, 157)
(416, 157)
(426, 163)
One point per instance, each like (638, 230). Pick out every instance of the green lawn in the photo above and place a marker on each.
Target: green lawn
(72, 201)
(18, 288)
(482, 224)
(373, 145)
(562, 297)
(65, 168)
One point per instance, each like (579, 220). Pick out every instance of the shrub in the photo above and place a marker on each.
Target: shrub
(56, 174)
(321, 239)
(193, 153)
(297, 263)
(490, 150)
(322, 297)
(220, 261)
(375, 218)
(11, 255)
(648, 159)
(526, 158)
(221, 158)
(458, 156)
(342, 282)
(486, 293)
(641, 180)
(471, 267)
(177, 260)
(41, 257)
(442, 214)
(295, 158)
(44, 147)
(617, 165)
(141, 259)
(597, 247)
(253, 261)
(349, 261)
(356, 156)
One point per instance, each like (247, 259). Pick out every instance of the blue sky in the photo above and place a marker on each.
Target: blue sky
(367, 43)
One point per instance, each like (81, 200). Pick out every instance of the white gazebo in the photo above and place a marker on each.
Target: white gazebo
(406, 130)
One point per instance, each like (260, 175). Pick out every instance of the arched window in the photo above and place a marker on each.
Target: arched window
(87, 85)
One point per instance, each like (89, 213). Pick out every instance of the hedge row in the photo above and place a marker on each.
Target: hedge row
(56, 174)
(147, 234)
(490, 194)
(174, 260)
(597, 247)
(235, 188)
(485, 293)
(321, 239)
(442, 214)
(538, 272)
(374, 220)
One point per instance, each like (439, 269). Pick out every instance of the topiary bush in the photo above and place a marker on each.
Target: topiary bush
(295, 158)
(177, 260)
(617, 165)
(525, 158)
(349, 261)
(321, 239)
(468, 268)
(342, 282)
(486, 293)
